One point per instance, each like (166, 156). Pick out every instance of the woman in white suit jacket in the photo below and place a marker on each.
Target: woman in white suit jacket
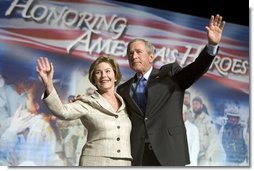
(103, 113)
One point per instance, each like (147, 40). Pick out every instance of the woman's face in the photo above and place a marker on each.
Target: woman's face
(104, 77)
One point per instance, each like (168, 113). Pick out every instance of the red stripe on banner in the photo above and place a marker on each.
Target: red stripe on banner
(49, 48)
(170, 38)
(167, 26)
(36, 45)
(244, 87)
(84, 1)
(240, 53)
(48, 33)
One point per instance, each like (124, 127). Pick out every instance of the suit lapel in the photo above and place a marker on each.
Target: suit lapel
(128, 96)
(128, 93)
(105, 106)
(155, 95)
(158, 90)
(152, 79)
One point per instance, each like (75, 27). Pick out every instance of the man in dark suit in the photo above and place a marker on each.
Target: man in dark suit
(158, 134)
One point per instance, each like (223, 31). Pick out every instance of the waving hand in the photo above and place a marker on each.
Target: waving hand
(45, 70)
(214, 30)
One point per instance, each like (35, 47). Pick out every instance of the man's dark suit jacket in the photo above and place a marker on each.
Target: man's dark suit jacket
(163, 117)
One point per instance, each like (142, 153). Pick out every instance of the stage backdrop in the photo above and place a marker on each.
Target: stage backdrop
(72, 33)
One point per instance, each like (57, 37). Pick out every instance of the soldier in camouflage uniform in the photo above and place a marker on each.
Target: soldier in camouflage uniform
(233, 138)
(211, 149)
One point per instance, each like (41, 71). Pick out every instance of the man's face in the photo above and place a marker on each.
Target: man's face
(139, 59)
(197, 107)
(186, 99)
(233, 120)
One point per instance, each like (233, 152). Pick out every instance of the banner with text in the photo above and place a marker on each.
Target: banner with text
(72, 34)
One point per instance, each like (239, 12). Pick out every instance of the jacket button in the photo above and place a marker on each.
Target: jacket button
(146, 119)
(118, 127)
(118, 151)
(116, 116)
(118, 139)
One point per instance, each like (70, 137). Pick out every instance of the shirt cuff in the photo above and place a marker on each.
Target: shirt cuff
(212, 49)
